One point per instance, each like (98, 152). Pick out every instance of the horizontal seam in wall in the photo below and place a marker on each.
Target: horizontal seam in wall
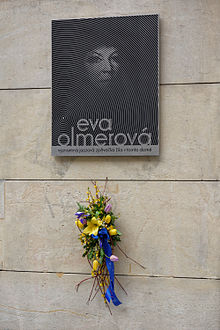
(117, 274)
(163, 84)
(191, 83)
(112, 180)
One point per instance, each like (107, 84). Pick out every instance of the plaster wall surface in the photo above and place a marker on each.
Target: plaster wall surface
(169, 205)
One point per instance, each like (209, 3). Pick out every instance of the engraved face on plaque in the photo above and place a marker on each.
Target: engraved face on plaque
(102, 66)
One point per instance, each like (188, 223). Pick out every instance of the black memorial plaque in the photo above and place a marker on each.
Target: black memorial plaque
(105, 87)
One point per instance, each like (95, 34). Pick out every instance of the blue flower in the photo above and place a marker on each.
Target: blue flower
(79, 214)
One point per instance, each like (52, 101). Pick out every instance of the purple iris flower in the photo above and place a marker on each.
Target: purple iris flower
(82, 217)
(108, 208)
(83, 221)
(79, 214)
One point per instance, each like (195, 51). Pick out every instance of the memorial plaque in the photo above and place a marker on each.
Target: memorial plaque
(105, 88)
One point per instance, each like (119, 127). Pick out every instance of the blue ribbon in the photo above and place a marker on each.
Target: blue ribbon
(110, 293)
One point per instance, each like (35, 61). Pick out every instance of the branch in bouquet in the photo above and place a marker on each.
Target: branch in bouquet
(121, 285)
(78, 285)
(137, 263)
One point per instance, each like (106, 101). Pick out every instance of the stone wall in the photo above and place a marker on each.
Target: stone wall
(169, 205)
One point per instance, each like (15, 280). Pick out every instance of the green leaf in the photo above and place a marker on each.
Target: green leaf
(81, 207)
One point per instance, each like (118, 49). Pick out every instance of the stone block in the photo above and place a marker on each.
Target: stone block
(46, 301)
(189, 140)
(169, 227)
(189, 37)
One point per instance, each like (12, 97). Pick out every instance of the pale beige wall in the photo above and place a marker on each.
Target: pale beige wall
(169, 205)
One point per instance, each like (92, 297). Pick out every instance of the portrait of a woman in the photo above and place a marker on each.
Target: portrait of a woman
(102, 65)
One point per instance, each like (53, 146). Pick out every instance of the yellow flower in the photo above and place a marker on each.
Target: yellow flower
(113, 232)
(96, 221)
(93, 227)
(107, 218)
(95, 265)
(79, 224)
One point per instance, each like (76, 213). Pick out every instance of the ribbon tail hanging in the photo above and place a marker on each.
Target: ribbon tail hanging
(110, 293)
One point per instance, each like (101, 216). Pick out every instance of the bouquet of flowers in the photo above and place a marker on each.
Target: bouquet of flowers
(99, 235)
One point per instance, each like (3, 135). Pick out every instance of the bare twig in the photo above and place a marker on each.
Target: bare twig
(106, 181)
(86, 279)
(97, 290)
(107, 304)
(91, 290)
(108, 200)
(121, 285)
(137, 263)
